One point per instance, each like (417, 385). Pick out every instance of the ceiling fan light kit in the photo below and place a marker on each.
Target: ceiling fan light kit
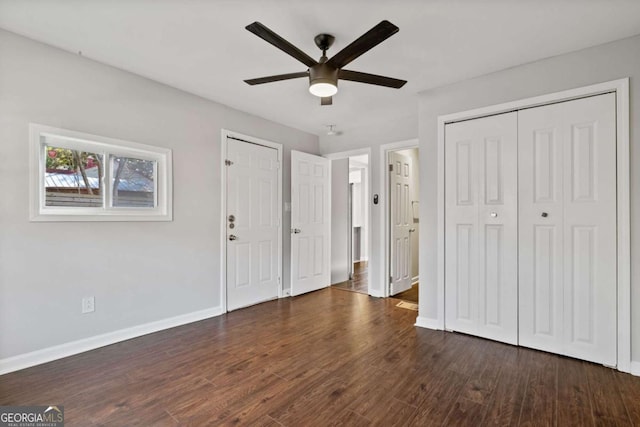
(323, 80)
(325, 73)
(323, 89)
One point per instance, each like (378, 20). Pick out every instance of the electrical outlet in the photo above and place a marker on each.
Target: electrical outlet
(88, 304)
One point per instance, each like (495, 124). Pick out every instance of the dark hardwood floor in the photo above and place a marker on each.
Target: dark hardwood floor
(410, 294)
(360, 281)
(326, 358)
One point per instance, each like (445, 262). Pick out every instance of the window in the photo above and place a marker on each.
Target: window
(81, 177)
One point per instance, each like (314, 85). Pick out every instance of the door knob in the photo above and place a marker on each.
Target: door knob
(544, 214)
(232, 218)
(296, 230)
(411, 230)
(493, 214)
(232, 237)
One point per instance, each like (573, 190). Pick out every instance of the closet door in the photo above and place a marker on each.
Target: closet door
(541, 225)
(567, 207)
(481, 227)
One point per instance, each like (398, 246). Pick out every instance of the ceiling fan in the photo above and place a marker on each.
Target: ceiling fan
(325, 73)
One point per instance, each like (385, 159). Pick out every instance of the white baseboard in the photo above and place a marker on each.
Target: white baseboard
(424, 322)
(635, 368)
(415, 280)
(49, 354)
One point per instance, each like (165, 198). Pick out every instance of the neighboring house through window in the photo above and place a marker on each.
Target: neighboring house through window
(82, 177)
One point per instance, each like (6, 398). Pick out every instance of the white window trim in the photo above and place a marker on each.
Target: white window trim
(99, 144)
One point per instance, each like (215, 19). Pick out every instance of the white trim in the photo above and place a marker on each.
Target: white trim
(49, 354)
(39, 212)
(621, 89)
(424, 322)
(440, 228)
(635, 368)
(350, 153)
(385, 253)
(624, 226)
(415, 280)
(346, 155)
(223, 209)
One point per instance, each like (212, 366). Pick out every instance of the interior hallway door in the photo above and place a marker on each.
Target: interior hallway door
(400, 169)
(310, 222)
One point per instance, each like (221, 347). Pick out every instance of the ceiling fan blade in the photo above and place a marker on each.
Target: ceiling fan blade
(368, 40)
(269, 79)
(269, 36)
(326, 100)
(372, 79)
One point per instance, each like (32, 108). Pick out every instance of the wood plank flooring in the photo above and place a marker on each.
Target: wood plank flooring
(360, 281)
(326, 358)
(410, 295)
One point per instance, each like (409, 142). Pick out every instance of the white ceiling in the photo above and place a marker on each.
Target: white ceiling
(201, 46)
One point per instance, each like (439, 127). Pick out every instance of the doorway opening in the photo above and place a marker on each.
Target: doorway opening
(350, 226)
(402, 224)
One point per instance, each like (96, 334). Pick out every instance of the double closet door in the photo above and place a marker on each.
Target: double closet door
(531, 228)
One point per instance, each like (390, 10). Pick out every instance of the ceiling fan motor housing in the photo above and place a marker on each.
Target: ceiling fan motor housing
(323, 73)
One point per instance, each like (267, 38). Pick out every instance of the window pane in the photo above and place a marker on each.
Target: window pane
(133, 182)
(72, 178)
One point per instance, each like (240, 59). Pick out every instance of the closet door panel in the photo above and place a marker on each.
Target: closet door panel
(461, 246)
(481, 227)
(590, 229)
(498, 226)
(540, 199)
(567, 231)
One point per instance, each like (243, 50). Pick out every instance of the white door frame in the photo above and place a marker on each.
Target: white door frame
(345, 155)
(385, 251)
(223, 209)
(621, 89)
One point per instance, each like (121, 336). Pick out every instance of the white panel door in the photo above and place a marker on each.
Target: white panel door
(401, 221)
(310, 222)
(568, 228)
(481, 225)
(252, 224)
(540, 190)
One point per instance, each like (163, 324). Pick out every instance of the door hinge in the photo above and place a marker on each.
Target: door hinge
(228, 162)
(390, 279)
(391, 168)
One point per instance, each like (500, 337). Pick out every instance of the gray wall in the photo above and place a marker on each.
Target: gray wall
(339, 220)
(138, 272)
(598, 64)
